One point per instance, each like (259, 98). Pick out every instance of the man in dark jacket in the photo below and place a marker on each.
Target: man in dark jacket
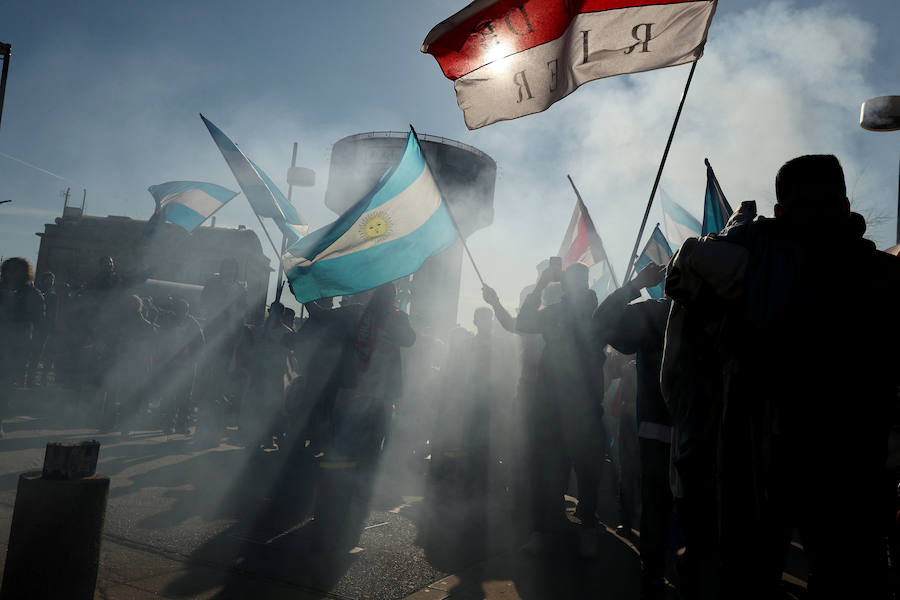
(570, 379)
(639, 329)
(792, 334)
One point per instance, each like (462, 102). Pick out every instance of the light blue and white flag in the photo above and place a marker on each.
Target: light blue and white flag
(679, 223)
(264, 196)
(716, 209)
(186, 203)
(604, 280)
(658, 251)
(386, 235)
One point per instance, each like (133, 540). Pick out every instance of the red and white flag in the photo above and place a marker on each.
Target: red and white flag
(581, 242)
(511, 58)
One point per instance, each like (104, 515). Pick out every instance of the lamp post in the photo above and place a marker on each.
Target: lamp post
(883, 114)
(301, 177)
(5, 52)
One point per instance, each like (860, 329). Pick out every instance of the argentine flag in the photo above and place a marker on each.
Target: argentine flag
(679, 223)
(716, 210)
(386, 235)
(658, 251)
(186, 203)
(264, 196)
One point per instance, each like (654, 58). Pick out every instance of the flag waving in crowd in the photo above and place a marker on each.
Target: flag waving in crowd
(264, 196)
(657, 251)
(386, 235)
(581, 242)
(186, 203)
(716, 209)
(510, 59)
(680, 224)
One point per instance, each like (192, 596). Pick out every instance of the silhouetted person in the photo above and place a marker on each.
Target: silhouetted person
(42, 345)
(535, 470)
(639, 328)
(223, 306)
(21, 312)
(179, 348)
(260, 416)
(372, 381)
(107, 276)
(570, 384)
(772, 339)
(127, 359)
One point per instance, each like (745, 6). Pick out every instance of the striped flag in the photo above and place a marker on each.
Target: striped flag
(264, 196)
(679, 223)
(581, 242)
(386, 235)
(509, 59)
(716, 210)
(186, 203)
(657, 251)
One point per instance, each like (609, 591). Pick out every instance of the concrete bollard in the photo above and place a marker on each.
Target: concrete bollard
(57, 525)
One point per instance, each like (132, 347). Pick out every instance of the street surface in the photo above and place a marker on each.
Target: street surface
(187, 521)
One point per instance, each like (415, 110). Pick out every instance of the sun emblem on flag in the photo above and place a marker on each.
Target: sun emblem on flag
(376, 225)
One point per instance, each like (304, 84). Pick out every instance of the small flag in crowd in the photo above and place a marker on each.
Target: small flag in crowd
(264, 196)
(716, 210)
(510, 59)
(679, 223)
(581, 242)
(658, 251)
(603, 280)
(386, 235)
(186, 203)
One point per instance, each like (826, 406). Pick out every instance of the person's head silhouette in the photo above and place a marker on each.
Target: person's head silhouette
(811, 190)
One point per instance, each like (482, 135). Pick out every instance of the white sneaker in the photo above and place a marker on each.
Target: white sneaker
(588, 545)
(537, 543)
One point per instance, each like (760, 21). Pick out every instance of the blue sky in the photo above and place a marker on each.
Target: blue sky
(106, 94)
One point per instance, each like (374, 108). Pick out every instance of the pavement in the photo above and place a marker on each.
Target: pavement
(186, 520)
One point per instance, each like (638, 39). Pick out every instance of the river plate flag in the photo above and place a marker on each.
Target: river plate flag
(716, 210)
(680, 224)
(386, 235)
(658, 251)
(510, 58)
(186, 203)
(264, 196)
(581, 242)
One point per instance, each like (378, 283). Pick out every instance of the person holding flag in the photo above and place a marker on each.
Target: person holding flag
(570, 395)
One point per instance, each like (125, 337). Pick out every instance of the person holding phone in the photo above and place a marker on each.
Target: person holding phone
(566, 425)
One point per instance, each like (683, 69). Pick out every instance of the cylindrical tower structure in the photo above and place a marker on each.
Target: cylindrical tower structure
(466, 176)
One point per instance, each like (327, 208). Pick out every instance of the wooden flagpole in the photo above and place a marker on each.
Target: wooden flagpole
(449, 212)
(662, 165)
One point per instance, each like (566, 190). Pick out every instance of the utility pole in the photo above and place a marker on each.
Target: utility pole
(5, 53)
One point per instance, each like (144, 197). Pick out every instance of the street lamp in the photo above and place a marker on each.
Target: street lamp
(5, 52)
(883, 114)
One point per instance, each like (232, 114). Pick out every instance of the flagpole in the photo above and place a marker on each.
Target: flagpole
(608, 262)
(449, 212)
(283, 236)
(268, 237)
(662, 165)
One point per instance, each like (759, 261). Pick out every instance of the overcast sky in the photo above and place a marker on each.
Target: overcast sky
(106, 95)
